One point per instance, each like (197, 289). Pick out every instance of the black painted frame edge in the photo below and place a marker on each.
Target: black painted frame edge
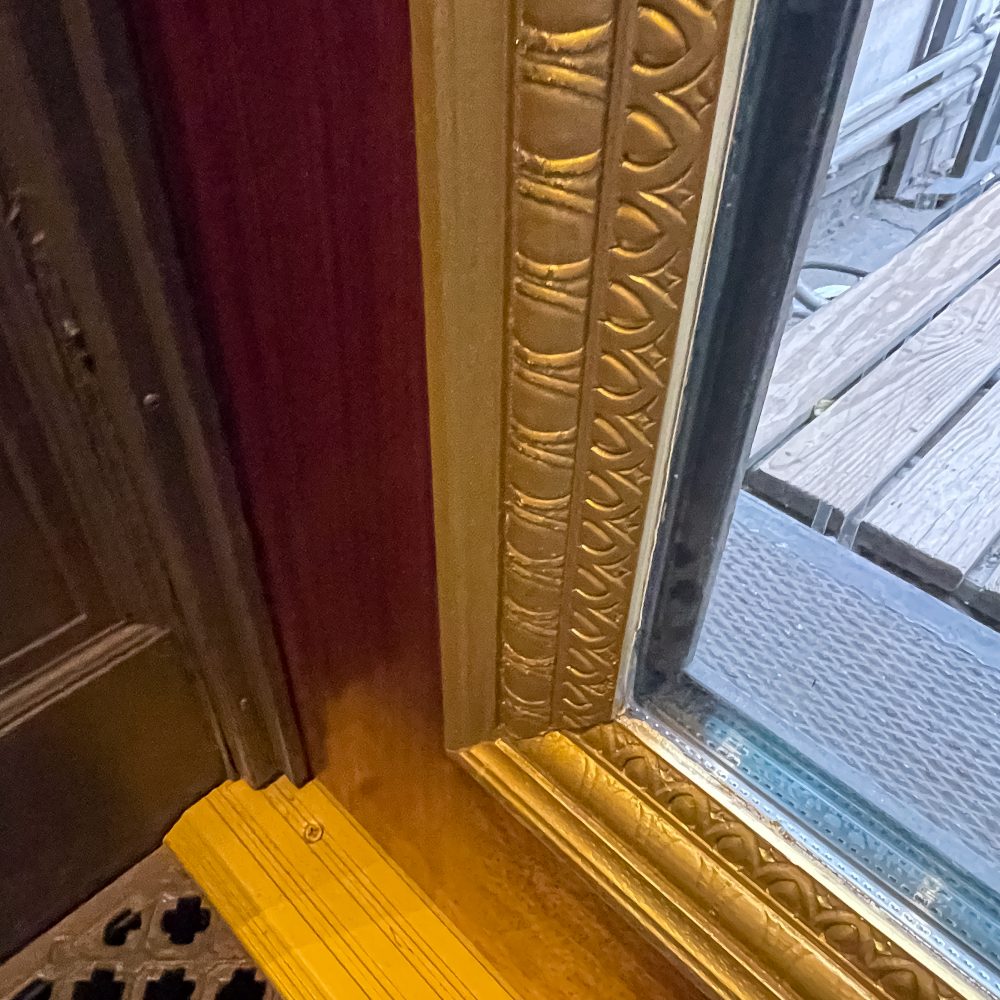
(798, 68)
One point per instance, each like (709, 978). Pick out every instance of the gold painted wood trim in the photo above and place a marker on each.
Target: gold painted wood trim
(318, 905)
(562, 151)
(582, 134)
(698, 881)
(613, 107)
(460, 80)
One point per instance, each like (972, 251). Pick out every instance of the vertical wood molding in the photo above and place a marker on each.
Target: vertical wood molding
(292, 180)
(562, 66)
(460, 85)
(110, 271)
(613, 107)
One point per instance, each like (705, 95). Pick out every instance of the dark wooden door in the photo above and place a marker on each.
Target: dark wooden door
(137, 665)
(104, 739)
(137, 662)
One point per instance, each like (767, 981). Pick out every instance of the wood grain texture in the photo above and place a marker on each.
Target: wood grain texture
(288, 144)
(529, 913)
(944, 516)
(987, 596)
(981, 587)
(821, 355)
(851, 449)
(460, 103)
(321, 909)
(287, 139)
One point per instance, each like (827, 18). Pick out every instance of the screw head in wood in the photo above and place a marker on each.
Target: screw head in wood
(312, 833)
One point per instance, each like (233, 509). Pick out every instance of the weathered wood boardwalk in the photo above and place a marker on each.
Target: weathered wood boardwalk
(882, 419)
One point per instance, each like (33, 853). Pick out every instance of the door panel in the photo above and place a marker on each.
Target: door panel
(106, 734)
(51, 595)
(98, 756)
(35, 602)
(81, 175)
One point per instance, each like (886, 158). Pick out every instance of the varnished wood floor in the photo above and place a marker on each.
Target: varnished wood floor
(527, 912)
(323, 912)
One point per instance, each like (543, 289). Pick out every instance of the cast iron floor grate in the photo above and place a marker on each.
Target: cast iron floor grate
(149, 936)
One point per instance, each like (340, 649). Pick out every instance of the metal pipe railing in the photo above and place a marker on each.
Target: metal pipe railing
(967, 49)
(850, 145)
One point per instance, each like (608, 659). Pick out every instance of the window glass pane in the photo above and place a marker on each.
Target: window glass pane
(841, 671)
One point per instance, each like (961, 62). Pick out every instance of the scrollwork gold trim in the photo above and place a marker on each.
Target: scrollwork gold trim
(613, 108)
(701, 883)
(831, 922)
(562, 66)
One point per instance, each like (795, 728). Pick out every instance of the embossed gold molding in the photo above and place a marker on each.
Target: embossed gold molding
(702, 884)
(561, 168)
(613, 105)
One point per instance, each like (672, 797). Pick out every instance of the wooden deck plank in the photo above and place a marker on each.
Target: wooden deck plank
(981, 587)
(988, 599)
(821, 356)
(317, 904)
(944, 516)
(843, 456)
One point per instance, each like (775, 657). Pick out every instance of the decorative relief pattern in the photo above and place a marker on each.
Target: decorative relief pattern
(832, 922)
(612, 116)
(673, 82)
(613, 107)
(561, 66)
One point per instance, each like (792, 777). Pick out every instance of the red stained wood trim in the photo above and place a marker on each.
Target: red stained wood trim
(287, 140)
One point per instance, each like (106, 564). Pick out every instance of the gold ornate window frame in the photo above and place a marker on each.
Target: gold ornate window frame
(570, 156)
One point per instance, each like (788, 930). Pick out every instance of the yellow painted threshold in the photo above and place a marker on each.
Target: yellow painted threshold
(317, 904)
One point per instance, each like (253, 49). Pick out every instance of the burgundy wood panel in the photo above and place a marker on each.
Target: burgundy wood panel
(288, 143)
(287, 139)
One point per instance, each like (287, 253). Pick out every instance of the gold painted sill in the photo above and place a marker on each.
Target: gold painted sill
(702, 885)
(318, 905)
